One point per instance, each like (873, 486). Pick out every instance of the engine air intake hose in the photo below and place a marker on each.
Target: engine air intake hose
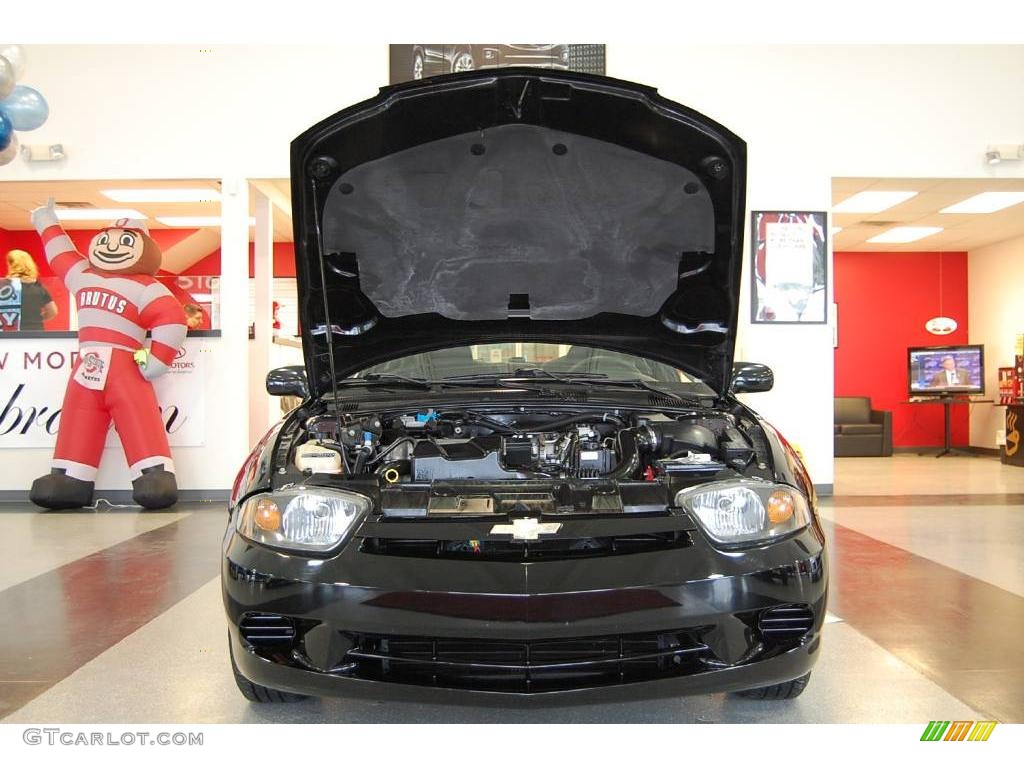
(629, 441)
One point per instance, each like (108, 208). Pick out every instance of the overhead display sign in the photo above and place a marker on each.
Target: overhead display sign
(34, 374)
(415, 61)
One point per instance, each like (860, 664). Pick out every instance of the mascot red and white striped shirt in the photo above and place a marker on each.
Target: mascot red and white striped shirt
(117, 310)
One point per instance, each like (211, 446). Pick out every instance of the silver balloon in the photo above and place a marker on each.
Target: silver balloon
(15, 55)
(11, 152)
(7, 79)
(25, 108)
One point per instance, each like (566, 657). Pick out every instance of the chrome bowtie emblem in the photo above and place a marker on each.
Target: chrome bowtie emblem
(527, 528)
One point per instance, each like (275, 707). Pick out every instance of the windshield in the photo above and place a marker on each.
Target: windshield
(506, 359)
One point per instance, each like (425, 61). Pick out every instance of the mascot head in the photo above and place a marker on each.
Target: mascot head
(125, 247)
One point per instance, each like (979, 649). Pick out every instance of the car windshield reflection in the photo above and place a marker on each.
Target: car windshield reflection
(537, 360)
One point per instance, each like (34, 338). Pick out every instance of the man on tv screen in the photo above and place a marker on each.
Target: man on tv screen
(951, 375)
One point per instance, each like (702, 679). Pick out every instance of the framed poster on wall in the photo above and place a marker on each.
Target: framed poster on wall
(419, 60)
(789, 269)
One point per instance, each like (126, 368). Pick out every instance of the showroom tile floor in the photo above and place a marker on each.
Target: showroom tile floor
(119, 619)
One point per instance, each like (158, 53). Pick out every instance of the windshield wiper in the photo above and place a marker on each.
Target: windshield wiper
(388, 378)
(541, 373)
(641, 384)
(524, 373)
(515, 380)
(397, 379)
(519, 379)
(602, 378)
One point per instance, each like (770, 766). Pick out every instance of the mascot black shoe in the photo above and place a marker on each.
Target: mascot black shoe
(155, 488)
(59, 490)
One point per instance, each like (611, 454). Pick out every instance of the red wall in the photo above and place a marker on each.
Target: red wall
(28, 240)
(884, 300)
(284, 262)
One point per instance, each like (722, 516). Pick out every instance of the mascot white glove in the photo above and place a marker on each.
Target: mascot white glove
(44, 216)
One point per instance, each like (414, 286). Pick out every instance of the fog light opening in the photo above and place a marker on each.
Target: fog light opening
(785, 622)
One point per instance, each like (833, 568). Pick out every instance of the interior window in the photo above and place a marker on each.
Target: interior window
(508, 357)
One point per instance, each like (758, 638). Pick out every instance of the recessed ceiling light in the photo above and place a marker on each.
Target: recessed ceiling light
(163, 195)
(904, 234)
(98, 214)
(195, 221)
(872, 201)
(836, 230)
(985, 202)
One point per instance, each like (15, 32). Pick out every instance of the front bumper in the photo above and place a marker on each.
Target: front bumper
(710, 601)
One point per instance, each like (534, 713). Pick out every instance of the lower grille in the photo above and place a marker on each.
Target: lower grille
(267, 629)
(787, 622)
(526, 666)
(532, 551)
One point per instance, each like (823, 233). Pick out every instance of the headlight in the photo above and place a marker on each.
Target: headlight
(304, 519)
(746, 511)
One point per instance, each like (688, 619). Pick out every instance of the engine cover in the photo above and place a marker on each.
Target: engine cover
(512, 457)
(476, 457)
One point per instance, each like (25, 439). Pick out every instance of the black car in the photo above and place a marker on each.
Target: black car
(442, 58)
(519, 467)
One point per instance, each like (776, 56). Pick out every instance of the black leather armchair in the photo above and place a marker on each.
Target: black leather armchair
(859, 430)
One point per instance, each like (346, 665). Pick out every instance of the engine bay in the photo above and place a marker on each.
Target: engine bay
(466, 462)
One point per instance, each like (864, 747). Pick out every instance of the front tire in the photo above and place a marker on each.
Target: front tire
(260, 693)
(463, 62)
(788, 690)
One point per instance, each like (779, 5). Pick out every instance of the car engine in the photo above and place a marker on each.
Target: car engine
(432, 446)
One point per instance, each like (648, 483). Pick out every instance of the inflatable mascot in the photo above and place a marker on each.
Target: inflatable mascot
(118, 301)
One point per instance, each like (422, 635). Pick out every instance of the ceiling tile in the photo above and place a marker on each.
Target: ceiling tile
(961, 231)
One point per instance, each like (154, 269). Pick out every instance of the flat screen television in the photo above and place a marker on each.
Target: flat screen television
(951, 370)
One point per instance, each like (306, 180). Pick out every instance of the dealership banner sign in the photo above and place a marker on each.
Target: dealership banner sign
(34, 374)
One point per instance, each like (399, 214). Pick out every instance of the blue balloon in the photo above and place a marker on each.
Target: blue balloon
(6, 132)
(25, 108)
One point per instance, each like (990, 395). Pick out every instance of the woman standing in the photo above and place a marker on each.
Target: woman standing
(36, 303)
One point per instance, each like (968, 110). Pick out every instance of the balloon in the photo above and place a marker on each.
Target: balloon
(26, 108)
(6, 132)
(6, 78)
(11, 152)
(15, 55)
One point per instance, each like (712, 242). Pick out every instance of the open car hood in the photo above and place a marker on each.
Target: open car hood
(518, 205)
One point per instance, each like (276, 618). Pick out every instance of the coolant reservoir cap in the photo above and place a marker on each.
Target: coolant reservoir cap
(313, 457)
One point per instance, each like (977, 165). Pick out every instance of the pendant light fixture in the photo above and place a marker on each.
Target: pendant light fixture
(940, 325)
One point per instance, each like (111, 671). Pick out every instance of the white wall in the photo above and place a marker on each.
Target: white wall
(995, 280)
(176, 112)
(808, 113)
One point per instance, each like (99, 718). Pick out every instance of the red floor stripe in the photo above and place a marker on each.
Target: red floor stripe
(960, 632)
(59, 620)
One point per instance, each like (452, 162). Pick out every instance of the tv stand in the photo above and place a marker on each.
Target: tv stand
(947, 445)
(947, 404)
